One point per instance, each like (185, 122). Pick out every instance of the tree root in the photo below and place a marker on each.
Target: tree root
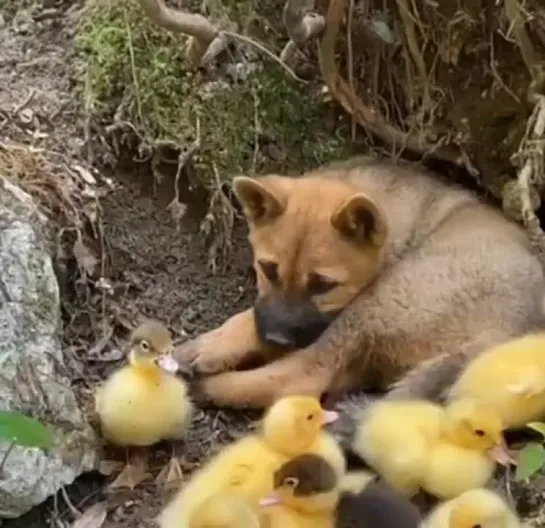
(367, 117)
(301, 24)
(530, 160)
(206, 40)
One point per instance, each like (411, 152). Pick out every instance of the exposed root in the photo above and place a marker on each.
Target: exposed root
(369, 118)
(205, 40)
(302, 25)
(531, 177)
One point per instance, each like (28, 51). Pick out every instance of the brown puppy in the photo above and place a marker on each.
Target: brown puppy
(365, 270)
(309, 478)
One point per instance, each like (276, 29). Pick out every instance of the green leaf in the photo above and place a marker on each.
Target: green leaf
(537, 426)
(22, 430)
(531, 458)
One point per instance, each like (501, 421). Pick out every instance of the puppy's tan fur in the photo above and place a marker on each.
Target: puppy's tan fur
(422, 269)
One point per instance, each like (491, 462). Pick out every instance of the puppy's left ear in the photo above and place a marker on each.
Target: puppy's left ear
(261, 199)
(362, 220)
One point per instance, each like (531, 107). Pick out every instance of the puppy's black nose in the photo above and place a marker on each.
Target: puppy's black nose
(279, 340)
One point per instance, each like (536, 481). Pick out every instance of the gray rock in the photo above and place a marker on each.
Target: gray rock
(33, 377)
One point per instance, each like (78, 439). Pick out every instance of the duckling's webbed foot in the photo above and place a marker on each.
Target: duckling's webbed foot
(171, 475)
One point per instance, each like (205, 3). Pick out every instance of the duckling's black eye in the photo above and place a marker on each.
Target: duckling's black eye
(291, 482)
(476, 526)
(478, 432)
(319, 284)
(144, 345)
(310, 417)
(269, 269)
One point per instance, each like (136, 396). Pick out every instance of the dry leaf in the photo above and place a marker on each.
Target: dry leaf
(109, 467)
(86, 260)
(94, 517)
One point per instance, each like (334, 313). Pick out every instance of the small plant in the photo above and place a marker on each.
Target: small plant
(531, 457)
(18, 429)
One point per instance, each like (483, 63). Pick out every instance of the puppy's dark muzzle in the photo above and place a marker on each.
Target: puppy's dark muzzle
(289, 323)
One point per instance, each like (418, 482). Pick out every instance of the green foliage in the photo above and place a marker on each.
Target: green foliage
(531, 458)
(19, 429)
(137, 71)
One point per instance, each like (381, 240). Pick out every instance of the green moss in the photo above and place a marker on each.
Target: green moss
(138, 72)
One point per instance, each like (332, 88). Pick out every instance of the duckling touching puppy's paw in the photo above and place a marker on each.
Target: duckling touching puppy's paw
(142, 403)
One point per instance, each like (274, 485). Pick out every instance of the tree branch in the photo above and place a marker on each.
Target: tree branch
(202, 32)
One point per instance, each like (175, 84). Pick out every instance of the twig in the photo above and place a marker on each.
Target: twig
(497, 75)
(267, 52)
(5, 457)
(75, 512)
(351, 62)
(133, 68)
(531, 58)
(175, 206)
(410, 34)
(257, 130)
(301, 24)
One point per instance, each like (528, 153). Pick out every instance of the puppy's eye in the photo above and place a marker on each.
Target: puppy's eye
(479, 432)
(144, 345)
(269, 269)
(320, 284)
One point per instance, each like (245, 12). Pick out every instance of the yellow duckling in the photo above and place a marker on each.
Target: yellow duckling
(305, 494)
(291, 426)
(394, 438)
(143, 403)
(510, 377)
(223, 511)
(475, 507)
(416, 444)
(466, 453)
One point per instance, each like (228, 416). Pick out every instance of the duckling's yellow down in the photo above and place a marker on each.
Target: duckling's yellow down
(224, 511)
(475, 507)
(245, 468)
(510, 377)
(140, 405)
(416, 445)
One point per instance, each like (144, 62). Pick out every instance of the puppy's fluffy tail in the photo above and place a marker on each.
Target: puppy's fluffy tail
(430, 380)
(349, 409)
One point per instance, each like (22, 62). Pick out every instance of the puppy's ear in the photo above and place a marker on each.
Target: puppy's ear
(260, 199)
(362, 220)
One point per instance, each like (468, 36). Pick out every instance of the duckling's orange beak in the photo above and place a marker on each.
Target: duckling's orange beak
(500, 453)
(269, 500)
(330, 417)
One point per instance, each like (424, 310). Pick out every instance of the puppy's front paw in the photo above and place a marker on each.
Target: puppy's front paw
(198, 394)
